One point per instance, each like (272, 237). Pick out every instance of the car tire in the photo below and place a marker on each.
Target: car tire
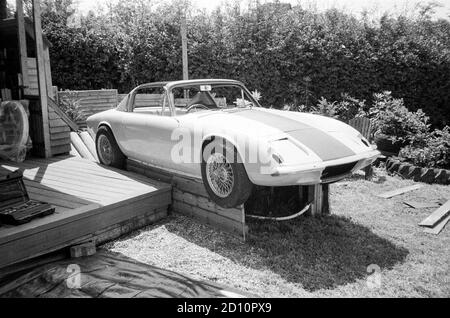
(108, 152)
(228, 184)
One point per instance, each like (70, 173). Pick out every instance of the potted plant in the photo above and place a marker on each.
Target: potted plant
(393, 124)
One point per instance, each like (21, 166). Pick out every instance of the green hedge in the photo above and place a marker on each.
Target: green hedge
(291, 55)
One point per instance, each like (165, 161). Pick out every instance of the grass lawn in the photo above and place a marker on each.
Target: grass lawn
(308, 257)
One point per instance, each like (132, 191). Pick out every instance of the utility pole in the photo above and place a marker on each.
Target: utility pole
(184, 44)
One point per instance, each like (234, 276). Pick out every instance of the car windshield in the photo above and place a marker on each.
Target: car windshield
(210, 97)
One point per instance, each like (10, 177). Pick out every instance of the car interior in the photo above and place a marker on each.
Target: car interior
(153, 100)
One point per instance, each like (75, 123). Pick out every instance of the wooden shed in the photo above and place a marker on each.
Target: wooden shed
(25, 73)
(92, 203)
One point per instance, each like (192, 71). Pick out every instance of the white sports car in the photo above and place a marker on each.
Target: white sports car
(215, 130)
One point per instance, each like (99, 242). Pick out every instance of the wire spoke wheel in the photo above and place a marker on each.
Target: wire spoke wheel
(105, 150)
(219, 173)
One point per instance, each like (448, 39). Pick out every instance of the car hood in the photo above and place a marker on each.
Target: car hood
(328, 138)
(268, 121)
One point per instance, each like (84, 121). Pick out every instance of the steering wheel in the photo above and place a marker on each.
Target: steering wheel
(196, 106)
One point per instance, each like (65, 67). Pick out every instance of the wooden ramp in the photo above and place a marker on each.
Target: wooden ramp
(92, 203)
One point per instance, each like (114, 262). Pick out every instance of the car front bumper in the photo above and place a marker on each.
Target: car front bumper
(315, 173)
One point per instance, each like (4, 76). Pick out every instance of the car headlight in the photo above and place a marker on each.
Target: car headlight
(364, 140)
(277, 157)
(284, 151)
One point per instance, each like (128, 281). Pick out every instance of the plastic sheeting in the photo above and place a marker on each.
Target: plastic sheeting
(109, 275)
(14, 131)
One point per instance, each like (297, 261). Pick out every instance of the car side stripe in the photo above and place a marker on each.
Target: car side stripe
(324, 145)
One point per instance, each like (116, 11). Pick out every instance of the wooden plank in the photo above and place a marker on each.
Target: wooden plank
(421, 205)
(54, 107)
(74, 183)
(56, 130)
(95, 183)
(74, 152)
(438, 228)
(220, 222)
(86, 168)
(60, 142)
(52, 115)
(191, 186)
(41, 76)
(65, 173)
(38, 196)
(89, 143)
(42, 225)
(48, 71)
(58, 150)
(83, 193)
(207, 205)
(110, 174)
(317, 205)
(80, 146)
(80, 163)
(151, 173)
(85, 190)
(42, 242)
(22, 42)
(61, 135)
(437, 216)
(35, 187)
(117, 230)
(396, 192)
(49, 197)
(153, 200)
(31, 62)
(57, 123)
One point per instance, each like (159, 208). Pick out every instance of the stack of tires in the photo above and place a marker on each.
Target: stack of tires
(418, 174)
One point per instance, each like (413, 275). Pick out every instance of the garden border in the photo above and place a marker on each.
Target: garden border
(418, 174)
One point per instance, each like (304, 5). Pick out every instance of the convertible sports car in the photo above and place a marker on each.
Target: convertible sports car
(215, 130)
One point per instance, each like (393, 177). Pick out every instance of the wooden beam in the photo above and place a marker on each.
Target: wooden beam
(396, 192)
(54, 105)
(48, 72)
(437, 216)
(438, 228)
(41, 76)
(22, 43)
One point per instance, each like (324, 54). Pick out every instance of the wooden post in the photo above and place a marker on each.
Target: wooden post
(326, 199)
(48, 72)
(184, 46)
(22, 44)
(43, 97)
(319, 196)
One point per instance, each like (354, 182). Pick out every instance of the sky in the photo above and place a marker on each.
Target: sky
(354, 6)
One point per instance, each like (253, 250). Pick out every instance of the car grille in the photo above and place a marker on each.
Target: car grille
(336, 171)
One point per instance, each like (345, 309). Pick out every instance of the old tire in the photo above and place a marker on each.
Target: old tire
(108, 152)
(224, 177)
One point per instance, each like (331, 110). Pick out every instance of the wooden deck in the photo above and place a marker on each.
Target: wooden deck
(92, 203)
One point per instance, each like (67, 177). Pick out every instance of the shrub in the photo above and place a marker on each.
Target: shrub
(290, 54)
(344, 110)
(429, 151)
(71, 106)
(391, 118)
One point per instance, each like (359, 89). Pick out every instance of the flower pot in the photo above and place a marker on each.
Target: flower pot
(386, 145)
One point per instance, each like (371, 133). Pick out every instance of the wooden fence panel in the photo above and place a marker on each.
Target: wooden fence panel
(90, 102)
